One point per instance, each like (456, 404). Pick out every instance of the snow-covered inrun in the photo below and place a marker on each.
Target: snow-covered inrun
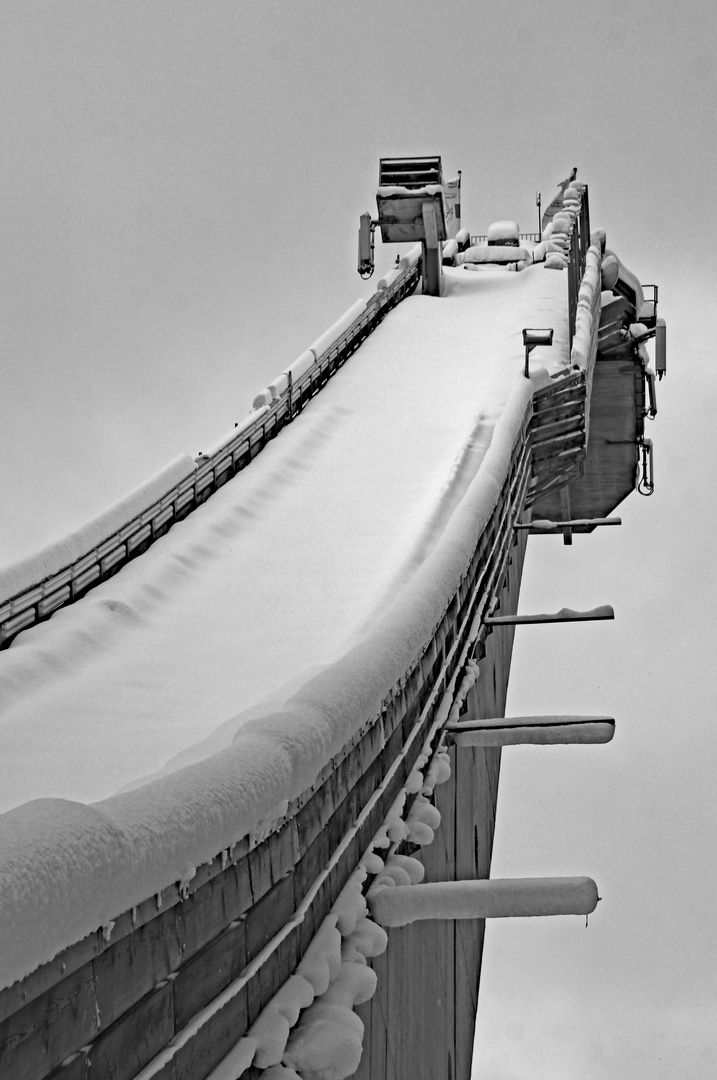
(490, 899)
(287, 565)
(246, 647)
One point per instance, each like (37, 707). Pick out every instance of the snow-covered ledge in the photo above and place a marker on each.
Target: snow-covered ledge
(498, 898)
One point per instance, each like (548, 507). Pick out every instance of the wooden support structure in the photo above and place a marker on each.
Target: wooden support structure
(564, 615)
(532, 730)
(541, 525)
(495, 898)
(431, 261)
(565, 512)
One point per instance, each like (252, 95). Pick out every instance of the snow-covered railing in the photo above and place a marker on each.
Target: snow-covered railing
(36, 587)
(492, 899)
(204, 808)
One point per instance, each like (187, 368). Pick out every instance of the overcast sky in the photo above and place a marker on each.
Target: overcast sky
(180, 186)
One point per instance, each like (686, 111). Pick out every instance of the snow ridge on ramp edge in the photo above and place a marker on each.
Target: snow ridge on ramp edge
(158, 834)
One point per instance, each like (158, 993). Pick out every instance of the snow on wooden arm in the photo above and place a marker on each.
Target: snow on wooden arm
(490, 899)
(536, 730)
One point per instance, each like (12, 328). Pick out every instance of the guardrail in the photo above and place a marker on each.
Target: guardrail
(39, 599)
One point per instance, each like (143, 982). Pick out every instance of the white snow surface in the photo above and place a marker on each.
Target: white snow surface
(247, 645)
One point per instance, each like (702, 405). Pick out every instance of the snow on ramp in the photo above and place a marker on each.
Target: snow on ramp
(286, 567)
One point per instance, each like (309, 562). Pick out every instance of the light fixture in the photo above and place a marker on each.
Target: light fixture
(531, 338)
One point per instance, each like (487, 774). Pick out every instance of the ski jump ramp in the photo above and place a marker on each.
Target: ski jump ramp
(230, 704)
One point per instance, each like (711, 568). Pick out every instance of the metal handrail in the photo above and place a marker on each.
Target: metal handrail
(532, 237)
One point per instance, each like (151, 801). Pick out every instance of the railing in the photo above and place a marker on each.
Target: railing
(579, 244)
(38, 600)
(530, 237)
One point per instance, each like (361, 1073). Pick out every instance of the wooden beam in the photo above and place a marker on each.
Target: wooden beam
(531, 730)
(564, 615)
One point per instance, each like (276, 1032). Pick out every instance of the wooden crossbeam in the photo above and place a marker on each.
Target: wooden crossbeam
(564, 615)
(494, 898)
(542, 525)
(532, 730)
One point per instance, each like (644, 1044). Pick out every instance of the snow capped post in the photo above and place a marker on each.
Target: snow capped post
(498, 898)
(532, 730)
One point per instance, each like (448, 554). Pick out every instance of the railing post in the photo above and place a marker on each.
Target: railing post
(573, 283)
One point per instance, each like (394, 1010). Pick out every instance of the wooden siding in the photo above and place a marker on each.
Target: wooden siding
(607, 474)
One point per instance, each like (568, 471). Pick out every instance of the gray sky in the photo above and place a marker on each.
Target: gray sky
(180, 185)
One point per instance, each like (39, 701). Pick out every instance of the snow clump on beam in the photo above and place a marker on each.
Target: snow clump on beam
(490, 899)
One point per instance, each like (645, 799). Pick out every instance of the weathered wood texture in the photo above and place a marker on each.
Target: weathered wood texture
(420, 1022)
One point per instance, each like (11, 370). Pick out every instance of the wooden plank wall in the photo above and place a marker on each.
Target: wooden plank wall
(420, 1022)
